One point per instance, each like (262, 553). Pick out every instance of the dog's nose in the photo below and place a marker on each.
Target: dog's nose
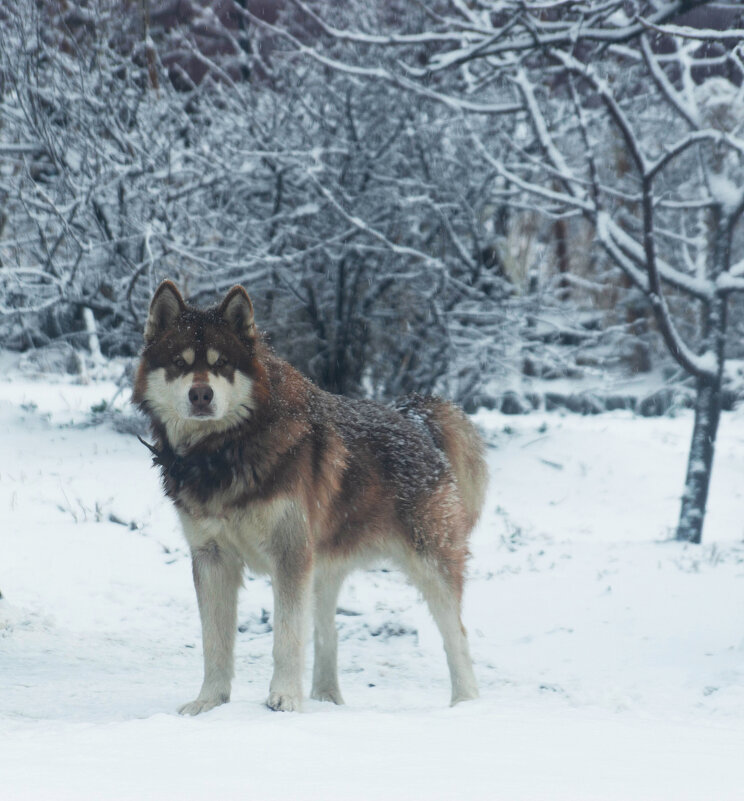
(201, 396)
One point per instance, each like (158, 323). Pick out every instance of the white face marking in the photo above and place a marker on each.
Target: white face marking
(212, 356)
(169, 400)
(188, 355)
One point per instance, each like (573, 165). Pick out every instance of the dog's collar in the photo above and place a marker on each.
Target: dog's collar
(203, 471)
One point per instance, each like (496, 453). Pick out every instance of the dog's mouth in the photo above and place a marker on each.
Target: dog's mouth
(201, 414)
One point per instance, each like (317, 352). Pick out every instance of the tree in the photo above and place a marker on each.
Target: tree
(627, 113)
(353, 219)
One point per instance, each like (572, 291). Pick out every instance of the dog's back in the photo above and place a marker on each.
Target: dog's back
(374, 477)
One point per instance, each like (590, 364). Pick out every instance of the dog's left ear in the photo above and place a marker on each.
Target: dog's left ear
(237, 310)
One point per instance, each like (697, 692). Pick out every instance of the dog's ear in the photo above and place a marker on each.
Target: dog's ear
(165, 308)
(237, 311)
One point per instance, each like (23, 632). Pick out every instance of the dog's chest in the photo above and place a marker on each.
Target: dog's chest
(247, 531)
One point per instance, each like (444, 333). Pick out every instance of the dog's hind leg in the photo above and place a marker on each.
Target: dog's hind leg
(217, 578)
(327, 584)
(442, 594)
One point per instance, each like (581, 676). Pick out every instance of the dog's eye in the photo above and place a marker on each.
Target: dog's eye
(221, 362)
(180, 362)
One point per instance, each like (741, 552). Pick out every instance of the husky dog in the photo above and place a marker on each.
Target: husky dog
(269, 472)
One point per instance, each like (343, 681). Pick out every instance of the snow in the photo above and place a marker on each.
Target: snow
(726, 192)
(610, 659)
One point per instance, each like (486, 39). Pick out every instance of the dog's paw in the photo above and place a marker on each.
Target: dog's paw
(329, 694)
(283, 702)
(464, 695)
(200, 705)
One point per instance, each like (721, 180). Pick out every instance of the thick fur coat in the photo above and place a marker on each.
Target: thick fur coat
(269, 472)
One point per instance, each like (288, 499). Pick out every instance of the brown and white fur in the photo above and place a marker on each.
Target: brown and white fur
(269, 472)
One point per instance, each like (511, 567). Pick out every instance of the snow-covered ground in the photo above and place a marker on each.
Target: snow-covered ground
(610, 659)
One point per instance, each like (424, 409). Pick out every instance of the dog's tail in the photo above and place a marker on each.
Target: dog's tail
(454, 434)
(466, 452)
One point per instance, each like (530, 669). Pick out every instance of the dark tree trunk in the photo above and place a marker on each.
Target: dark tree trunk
(700, 460)
(562, 258)
(709, 392)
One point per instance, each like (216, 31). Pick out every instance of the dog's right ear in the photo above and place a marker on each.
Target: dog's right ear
(167, 304)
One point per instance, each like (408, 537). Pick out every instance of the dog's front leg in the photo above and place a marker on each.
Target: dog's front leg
(291, 583)
(217, 578)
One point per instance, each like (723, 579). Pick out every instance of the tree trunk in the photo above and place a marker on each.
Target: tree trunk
(700, 461)
(562, 258)
(709, 392)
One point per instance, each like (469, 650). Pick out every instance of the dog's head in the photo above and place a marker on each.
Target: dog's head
(199, 373)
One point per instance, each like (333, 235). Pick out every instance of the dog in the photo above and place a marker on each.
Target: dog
(269, 472)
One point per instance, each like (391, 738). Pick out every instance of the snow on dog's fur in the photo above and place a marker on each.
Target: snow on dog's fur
(269, 472)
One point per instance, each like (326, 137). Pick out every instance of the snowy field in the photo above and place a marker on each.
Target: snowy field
(610, 659)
